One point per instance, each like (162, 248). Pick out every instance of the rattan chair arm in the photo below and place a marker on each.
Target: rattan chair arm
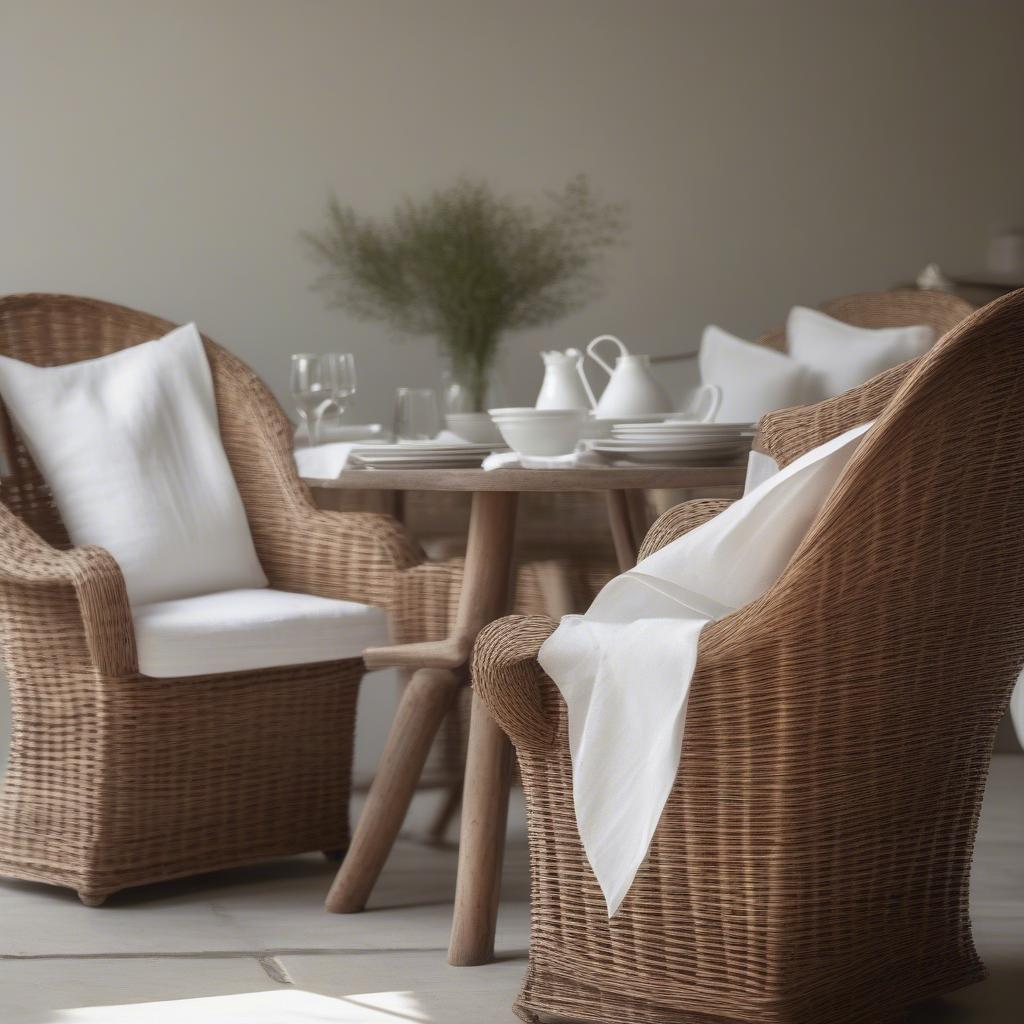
(508, 679)
(352, 556)
(679, 520)
(28, 563)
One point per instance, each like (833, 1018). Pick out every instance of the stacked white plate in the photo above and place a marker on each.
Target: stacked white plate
(421, 455)
(675, 442)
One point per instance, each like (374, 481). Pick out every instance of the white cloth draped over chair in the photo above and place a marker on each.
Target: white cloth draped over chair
(624, 668)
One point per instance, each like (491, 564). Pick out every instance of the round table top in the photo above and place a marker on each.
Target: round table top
(589, 478)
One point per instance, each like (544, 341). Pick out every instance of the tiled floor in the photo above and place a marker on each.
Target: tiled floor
(263, 931)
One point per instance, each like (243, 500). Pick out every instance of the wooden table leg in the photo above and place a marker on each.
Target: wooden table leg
(485, 596)
(622, 529)
(425, 701)
(482, 842)
(555, 588)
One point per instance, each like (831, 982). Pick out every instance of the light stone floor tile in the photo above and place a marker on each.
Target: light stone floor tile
(255, 946)
(31, 991)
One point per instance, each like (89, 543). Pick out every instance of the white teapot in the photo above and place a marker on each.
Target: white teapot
(631, 389)
(562, 387)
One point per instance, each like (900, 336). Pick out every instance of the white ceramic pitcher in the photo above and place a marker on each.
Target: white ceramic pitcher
(562, 387)
(631, 389)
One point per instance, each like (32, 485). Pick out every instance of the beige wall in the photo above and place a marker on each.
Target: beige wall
(165, 153)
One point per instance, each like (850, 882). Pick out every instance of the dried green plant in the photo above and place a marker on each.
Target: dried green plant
(466, 266)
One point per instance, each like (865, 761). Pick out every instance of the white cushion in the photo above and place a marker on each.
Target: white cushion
(130, 447)
(754, 379)
(237, 630)
(840, 356)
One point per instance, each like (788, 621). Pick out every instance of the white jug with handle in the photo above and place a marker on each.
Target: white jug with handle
(631, 389)
(562, 387)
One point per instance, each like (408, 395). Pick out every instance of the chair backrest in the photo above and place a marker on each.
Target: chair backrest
(901, 307)
(860, 695)
(49, 330)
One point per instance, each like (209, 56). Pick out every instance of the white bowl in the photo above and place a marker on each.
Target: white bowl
(540, 432)
(475, 427)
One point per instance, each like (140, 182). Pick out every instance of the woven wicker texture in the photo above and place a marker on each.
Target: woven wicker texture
(116, 779)
(812, 862)
(901, 307)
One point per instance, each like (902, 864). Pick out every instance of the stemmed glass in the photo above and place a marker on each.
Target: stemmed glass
(317, 382)
(341, 378)
(311, 391)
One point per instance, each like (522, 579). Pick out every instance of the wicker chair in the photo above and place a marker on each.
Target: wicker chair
(901, 307)
(812, 862)
(116, 779)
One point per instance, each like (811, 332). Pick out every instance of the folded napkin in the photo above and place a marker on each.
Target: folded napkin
(325, 461)
(624, 668)
(513, 460)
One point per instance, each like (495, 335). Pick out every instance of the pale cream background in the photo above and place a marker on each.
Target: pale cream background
(165, 153)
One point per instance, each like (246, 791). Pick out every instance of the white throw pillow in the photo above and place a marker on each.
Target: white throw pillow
(130, 447)
(754, 379)
(840, 356)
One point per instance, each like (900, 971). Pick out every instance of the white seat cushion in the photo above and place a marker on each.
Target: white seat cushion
(237, 630)
(754, 379)
(130, 447)
(840, 356)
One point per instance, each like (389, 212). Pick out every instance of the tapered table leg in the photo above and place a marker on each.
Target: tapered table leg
(425, 701)
(482, 843)
(485, 596)
(622, 529)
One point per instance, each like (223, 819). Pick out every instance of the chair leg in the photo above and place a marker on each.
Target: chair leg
(438, 830)
(424, 704)
(93, 898)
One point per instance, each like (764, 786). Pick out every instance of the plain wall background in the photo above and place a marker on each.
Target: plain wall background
(166, 153)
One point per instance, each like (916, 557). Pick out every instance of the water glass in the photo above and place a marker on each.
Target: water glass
(416, 414)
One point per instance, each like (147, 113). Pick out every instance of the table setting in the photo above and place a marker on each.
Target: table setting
(633, 423)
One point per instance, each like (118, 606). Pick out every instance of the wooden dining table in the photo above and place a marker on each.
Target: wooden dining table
(485, 596)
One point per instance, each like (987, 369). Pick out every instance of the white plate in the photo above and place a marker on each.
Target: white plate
(399, 462)
(688, 429)
(424, 449)
(701, 446)
(673, 435)
(671, 418)
(666, 459)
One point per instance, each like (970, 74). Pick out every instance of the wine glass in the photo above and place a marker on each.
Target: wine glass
(341, 378)
(416, 414)
(311, 391)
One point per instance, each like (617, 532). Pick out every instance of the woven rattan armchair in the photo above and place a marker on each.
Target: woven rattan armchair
(116, 779)
(812, 862)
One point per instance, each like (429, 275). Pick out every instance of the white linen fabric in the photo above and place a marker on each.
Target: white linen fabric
(130, 447)
(513, 460)
(1017, 709)
(324, 461)
(236, 630)
(840, 356)
(760, 467)
(624, 668)
(753, 379)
